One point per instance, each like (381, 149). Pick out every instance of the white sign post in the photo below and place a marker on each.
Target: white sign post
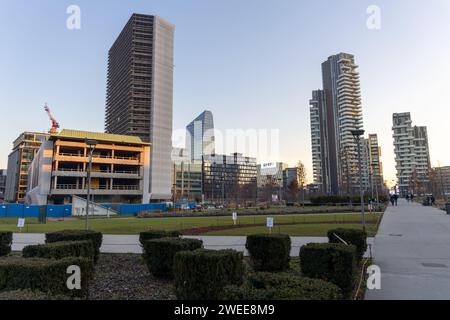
(234, 218)
(21, 223)
(270, 224)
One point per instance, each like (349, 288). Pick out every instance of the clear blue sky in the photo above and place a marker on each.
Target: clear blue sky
(252, 62)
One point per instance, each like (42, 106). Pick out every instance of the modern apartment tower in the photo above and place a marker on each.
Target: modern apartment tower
(412, 154)
(376, 179)
(335, 112)
(140, 92)
(200, 136)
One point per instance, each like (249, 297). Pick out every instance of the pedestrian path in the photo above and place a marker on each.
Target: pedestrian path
(412, 248)
(130, 243)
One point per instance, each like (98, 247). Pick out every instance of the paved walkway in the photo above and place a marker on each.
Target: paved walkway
(130, 243)
(412, 248)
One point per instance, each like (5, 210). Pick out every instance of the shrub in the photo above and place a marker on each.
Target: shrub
(282, 286)
(77, 235)
(331, 262)
(157, 234)
(46, 275)
(159, 253)
(5, 242)
(356, 237)
(269, 252)
(59, 250)
(203, 274)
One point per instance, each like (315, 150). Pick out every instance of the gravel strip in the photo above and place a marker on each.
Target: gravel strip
(126, 277)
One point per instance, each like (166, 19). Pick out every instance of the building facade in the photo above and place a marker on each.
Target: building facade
(24, 149)
(376, 178)
(140, 92)
(441, 181)
(2, 184)
(270, 180)
(412, 154)
(120, 169)
(229, 178)
(200, 136)
(335, 112)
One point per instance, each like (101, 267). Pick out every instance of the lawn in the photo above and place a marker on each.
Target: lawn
(306, 224)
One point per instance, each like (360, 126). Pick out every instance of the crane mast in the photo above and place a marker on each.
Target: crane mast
(55, 124)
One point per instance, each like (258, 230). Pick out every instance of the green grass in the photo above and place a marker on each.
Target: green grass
(134, 225)
(298, 230)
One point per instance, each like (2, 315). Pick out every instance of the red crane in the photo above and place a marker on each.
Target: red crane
(55, 124)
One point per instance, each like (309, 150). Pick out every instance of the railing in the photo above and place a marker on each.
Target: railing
(99, 171)
(98, 156)
(120, 187)
(114, 187)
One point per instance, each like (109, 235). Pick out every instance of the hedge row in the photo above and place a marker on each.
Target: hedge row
(77, 235)
(269, 252)
(59, 250)
(5, 242)
(29, 295)
(331, 262)
(157, 234)
(282, 286)
(47, 275)
(356, 237)
(203, 274)
(159, 254)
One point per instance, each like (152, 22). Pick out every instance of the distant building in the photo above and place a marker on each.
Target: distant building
(120, 169)
(186, 177)
(2, 184)
(290, 175)
(229, 178)
(335, 111)
(140, 92)
(412, 154)
(442, 180)
(200, 136)
(270, 180)
(376, 178)
(19, 160)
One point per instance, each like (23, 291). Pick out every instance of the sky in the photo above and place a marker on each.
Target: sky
(253, 63)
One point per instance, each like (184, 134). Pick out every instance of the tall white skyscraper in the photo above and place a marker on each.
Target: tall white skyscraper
(200, 136)
(140, 93)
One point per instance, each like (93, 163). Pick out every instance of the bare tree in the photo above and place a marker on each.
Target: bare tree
(293, 190)
(301, 177)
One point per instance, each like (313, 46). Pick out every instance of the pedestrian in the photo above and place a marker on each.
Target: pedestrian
(392, 200)
(407, 197)
(395, 199)
(433, 200)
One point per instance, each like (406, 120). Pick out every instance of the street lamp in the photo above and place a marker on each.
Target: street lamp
(91, 145)
(357, 135)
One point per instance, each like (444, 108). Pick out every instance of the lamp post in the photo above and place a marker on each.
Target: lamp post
(357, 135)
(91, 145)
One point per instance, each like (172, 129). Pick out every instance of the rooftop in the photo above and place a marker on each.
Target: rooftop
(99, 136)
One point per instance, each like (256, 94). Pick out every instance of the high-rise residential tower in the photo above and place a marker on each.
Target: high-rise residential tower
(139, 98)
(375, 165)
(412, 154)
(335, 112)
(200, 136)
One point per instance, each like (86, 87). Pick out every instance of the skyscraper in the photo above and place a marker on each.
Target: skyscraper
(375, 164)
(200, 136)
(335, 111)
(140, 92)
(412, 154)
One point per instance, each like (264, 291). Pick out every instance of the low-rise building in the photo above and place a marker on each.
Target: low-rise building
(19, 160)
(2, 184)
(120, 169)
(229, 178)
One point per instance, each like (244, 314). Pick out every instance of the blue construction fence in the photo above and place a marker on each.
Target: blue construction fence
(62, 211)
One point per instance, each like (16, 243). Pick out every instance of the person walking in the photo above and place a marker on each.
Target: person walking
(396, 199)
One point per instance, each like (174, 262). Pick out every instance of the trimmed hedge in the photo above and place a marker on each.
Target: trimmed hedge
(77, 235)
(269, 252)
(157, 234)
(356, 237)
(331, 262)
(46, 275)
(159, 254)
(282, 286)
(59, 250)
(203, 274)
(5, 242)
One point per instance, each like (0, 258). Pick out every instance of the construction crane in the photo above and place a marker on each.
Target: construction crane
(55, 124)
